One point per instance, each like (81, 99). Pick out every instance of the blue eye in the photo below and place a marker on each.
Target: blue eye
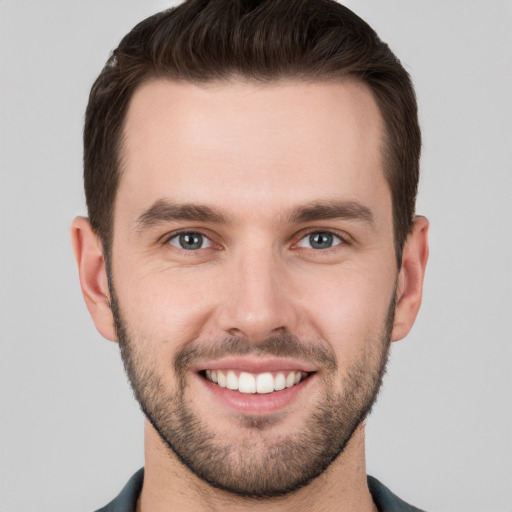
(190, 241)
(319, 240)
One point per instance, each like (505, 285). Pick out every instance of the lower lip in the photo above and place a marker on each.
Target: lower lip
(256, 403)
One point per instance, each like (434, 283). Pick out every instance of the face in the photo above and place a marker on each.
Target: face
(253, 274)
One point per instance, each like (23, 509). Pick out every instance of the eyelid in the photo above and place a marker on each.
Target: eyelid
(344, 238)
(166, 239)
(206, 243)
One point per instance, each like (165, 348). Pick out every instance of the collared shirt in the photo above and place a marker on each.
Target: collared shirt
(383, 498)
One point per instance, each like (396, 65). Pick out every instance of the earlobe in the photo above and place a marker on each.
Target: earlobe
(410, 279)
(93, 277)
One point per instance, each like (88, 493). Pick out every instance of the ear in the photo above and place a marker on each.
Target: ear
(410, 279)
(93, 276)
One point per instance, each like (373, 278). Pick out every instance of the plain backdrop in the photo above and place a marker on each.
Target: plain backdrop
(441, 434)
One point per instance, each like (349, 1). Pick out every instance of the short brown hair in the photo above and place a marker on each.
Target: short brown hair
(267, 40)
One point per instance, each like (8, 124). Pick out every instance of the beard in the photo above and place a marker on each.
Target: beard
(256, 462)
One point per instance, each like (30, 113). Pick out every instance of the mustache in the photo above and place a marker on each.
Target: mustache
(280, 345)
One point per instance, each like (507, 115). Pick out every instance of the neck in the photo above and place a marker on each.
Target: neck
(168, 483)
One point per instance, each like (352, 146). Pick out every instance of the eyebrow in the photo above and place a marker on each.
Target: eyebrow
(163, 211)
(325, 210)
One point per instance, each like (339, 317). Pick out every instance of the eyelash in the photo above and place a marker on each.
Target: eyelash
(343, 240)
(167, 240)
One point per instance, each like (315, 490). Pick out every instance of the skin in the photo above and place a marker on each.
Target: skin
(254, 153)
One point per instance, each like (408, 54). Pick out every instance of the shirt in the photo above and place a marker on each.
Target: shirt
(383, 498)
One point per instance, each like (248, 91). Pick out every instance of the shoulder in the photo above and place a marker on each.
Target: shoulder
(126, 500)
(385, 500)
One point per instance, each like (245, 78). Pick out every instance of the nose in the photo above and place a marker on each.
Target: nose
(257, 299)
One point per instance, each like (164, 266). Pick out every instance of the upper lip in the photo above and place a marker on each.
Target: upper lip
(257, 365)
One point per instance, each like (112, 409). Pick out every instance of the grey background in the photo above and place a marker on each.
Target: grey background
(441, 434)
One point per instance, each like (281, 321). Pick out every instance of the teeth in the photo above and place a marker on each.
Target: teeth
(246, 383)
(290, 380)
(249, 383)
(231, 381)
(279, 382)
(264, 383)
(221, 379)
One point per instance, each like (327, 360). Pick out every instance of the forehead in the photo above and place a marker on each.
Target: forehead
(269, 144)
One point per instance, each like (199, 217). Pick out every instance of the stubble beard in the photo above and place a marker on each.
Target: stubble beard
(258, 465)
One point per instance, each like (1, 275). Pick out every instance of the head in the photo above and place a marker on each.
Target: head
(250, 172)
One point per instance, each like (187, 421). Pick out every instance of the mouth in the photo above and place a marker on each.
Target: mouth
(255, 383)
(256, 386)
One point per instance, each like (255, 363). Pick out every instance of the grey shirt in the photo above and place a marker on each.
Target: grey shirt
(383, 498)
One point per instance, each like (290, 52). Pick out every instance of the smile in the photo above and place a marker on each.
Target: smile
(250, 383)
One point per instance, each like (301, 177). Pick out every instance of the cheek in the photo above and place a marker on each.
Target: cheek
(165, 307)
(350, 308)
(342, 304)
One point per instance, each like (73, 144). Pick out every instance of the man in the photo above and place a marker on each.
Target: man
(250, 172)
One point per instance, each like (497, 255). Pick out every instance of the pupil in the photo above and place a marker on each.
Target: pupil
(321, 240)
(191, 241)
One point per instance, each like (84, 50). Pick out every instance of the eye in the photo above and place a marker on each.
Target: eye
(319, 240)
(190, 241)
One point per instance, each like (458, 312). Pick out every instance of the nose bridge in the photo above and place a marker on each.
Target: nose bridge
(259, 303)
